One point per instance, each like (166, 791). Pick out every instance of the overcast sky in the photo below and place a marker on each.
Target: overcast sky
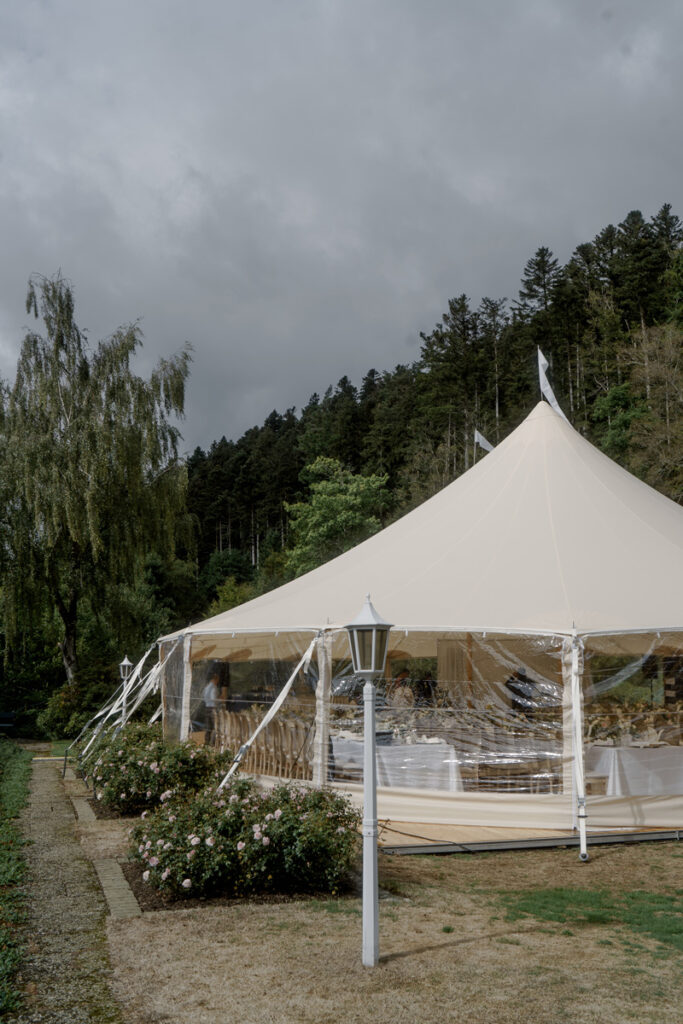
(297, 187)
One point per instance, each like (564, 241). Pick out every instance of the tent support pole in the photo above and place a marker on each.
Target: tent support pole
(187, 688)
(322, 713)
(577, 736)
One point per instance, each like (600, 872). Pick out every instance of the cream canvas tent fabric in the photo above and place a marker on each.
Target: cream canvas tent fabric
(545, 534)
(543, 544)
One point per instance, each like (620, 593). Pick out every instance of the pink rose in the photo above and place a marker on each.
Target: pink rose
(240, 845)
(145, 876)
(195, 840)
(210, 841)
(153, 862)
(266, 841)
(186, 883)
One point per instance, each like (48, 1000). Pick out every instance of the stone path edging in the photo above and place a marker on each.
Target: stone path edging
(120, 898)
(118, 894)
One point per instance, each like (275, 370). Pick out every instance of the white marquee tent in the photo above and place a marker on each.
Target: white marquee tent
(545, 587)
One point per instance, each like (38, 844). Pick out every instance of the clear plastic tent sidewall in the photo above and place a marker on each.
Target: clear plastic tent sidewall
(516, 731)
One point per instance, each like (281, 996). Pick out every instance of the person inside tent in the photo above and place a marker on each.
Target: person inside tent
(425, 690)
(211, 695)
(401, 693)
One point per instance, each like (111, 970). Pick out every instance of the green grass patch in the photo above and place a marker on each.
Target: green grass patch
(59, 747)
(657, 916)
(336, 906)
(15, 768)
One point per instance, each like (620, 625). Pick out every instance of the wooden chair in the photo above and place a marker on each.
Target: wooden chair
(596, 785)
(302, 742)
(222, 730)
(469, 773)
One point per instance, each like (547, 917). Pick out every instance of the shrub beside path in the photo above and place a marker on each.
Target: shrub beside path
(66, 972)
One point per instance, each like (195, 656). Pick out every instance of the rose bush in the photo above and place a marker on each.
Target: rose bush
(134, 770)
(242, 841)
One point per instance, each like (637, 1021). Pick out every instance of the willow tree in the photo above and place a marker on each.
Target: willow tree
(91, 478)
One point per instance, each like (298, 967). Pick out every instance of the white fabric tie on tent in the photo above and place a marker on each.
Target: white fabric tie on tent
(127, 698)
(275, 707)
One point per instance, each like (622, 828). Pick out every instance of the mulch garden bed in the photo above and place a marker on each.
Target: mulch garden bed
(150, 900)
(103, 813)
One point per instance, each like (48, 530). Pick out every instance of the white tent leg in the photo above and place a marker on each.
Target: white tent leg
(577, 734)
(187, 689)
(322, 713)
(567, 726)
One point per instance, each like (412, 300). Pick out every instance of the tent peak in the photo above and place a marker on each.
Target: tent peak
(542, 408)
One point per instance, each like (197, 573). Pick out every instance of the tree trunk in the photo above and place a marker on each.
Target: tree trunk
(67, 606)
(68, 613)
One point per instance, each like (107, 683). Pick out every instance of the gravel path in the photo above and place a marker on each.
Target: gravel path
(67, 969)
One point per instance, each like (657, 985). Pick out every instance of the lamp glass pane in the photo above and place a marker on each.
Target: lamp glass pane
(365, 650)
(381, 649)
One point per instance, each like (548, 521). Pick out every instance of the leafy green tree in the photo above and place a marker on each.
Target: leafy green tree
(230, 594)
(615, 412)
(656, 450)
(344, 508)
(89, 465)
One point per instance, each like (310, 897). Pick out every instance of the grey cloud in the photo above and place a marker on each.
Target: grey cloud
(298, 189)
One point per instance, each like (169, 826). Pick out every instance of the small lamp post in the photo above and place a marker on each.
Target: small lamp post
(124, 669)
(368, 638)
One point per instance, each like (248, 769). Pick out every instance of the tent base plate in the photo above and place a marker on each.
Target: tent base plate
(407, 839)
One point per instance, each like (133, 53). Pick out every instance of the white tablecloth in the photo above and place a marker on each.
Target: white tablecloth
(638, 771)
(411, 765)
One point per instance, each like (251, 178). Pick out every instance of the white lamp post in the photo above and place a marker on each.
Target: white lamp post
(124, 669)
(368, 637)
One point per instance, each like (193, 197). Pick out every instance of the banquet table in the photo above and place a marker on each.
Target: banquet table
(637, 771)
(409, 765)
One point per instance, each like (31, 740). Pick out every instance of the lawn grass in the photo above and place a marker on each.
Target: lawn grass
(658, 916)
(59, 747)
(14, 775)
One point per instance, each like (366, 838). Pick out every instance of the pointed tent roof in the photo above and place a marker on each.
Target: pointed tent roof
(543, 535)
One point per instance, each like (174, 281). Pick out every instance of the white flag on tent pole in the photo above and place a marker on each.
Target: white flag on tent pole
(546, 389)
(482, 442)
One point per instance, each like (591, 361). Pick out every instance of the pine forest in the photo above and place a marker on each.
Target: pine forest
(112, 539)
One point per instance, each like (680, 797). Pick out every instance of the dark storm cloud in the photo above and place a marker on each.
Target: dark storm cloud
(298, 189)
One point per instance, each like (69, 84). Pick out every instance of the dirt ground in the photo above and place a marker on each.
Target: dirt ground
(447, 951)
